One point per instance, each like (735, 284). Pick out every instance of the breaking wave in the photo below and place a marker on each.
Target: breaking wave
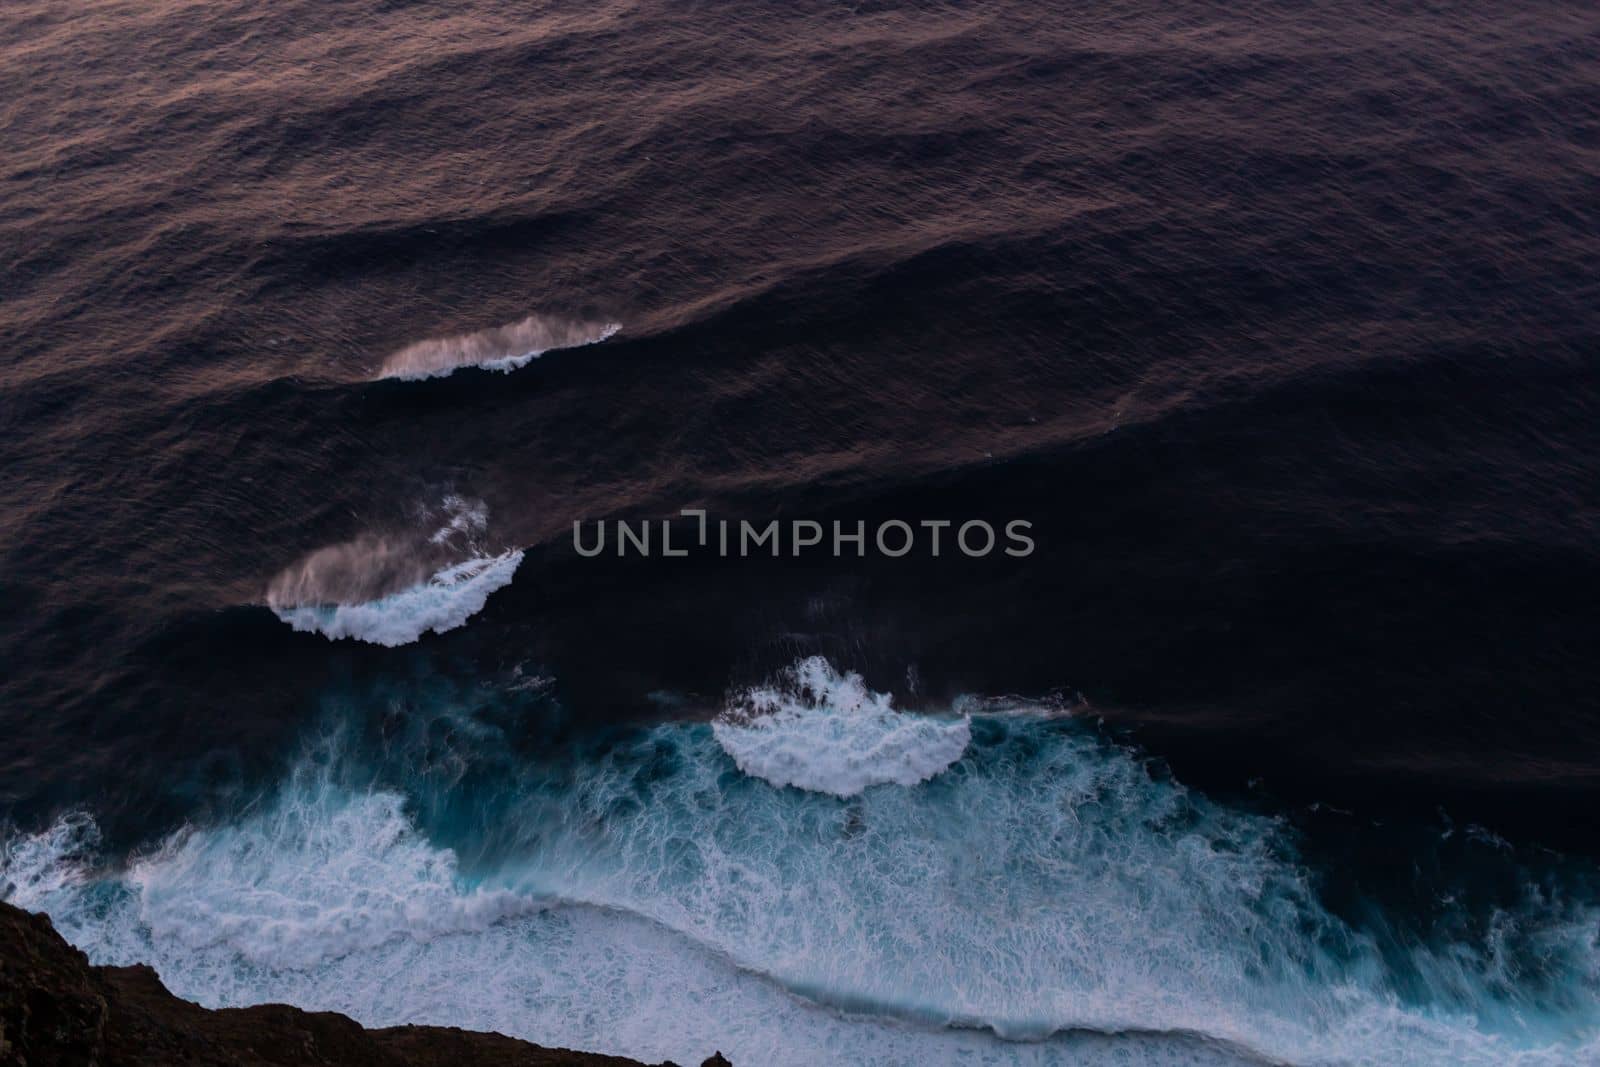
(1043, 896)
(821, 730)
(392, 589)
(446, 600)
(503, 348)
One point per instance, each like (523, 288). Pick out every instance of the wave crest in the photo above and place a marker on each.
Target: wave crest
(391, 589)
(826, 732)
(446, 600)
(502, 348)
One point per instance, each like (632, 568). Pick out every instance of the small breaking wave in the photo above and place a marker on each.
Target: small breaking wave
(446, 600)
(502, 348)
(826, 732)
(391, 589)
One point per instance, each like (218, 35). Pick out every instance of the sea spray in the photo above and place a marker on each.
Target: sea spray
(391, 588)
(444, 601)
(502, 348)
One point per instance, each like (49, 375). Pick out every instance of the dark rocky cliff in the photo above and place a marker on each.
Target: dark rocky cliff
(58, 1011)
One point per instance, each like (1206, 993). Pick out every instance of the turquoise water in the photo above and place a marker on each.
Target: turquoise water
(994, 883)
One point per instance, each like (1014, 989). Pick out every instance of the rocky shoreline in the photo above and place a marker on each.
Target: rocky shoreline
(56, 1010)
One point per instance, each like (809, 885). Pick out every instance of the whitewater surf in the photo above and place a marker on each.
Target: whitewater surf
(814, 875)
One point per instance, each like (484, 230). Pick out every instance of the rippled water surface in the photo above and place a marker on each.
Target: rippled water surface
(320, 326)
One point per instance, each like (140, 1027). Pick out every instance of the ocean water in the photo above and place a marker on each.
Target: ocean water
(995, 883)
(321, 327)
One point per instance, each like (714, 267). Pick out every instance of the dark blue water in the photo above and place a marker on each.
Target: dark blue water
(1278, 323)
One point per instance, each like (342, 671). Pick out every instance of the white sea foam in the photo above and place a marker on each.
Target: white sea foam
(391, 589)
(340, 905)
(449, 597)
(45, 865)
(651, 901)
(824, 731)
(503, 348)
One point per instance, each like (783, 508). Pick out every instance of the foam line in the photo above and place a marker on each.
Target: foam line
(503, 348)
